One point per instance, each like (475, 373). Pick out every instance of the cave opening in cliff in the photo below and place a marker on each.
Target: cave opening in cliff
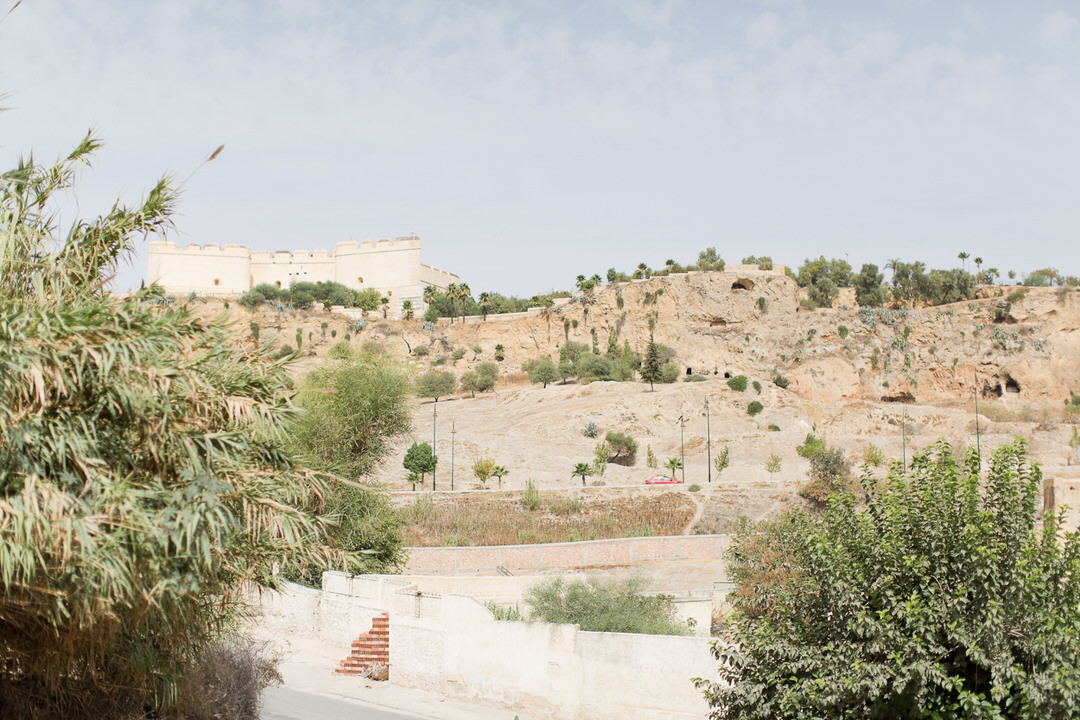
(1011, 386)
(902, 397)
(743, 284)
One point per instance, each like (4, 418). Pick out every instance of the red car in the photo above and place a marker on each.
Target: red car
(662, 480)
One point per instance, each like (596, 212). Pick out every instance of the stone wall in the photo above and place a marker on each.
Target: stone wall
(392, 267)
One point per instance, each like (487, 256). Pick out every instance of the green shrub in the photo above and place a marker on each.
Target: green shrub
(340, 351)
(597, 605)
(506, 613)
(439, 362)
(694, 378)
(830, 473)
(251, 299)
(757, 387)
(843, 330)
(722, 459)
(754, 408)
(420, 350)
(873, 455)
(283, 352)
(737, 383)
(780, 381)
(458, 354)
(669, 373)
(530, 496)
(694, 488)
(477, 349)
(591, 429)
(1073, 403)
(811, 446)
(1016, 296)
(774, 428)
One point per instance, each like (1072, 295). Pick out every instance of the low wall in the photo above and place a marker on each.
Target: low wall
(452, 645)
(696, 605)
(621, 551)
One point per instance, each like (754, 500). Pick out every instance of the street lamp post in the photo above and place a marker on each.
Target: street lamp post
(682, 445)
(708, 439)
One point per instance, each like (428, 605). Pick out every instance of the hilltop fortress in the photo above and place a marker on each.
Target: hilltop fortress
(392, 267)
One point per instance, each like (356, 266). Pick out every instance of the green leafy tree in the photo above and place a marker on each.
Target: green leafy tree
(774, 464)
(254, 327)
(355, 410)
(601, 453)
(435, 384)
(420, 459)
(544, 371)
(623, 448)
(582, 470)
(145, 485)
(487, 374)
(469, 382)
(483, 468)
(870, 287)
(722, 460)
(951, 595)
(652, 366)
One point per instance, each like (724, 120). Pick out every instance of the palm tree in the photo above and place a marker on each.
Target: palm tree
(407, 309)
(431, 293)
(596, 280)
(464, 292)
(579, 282)
(978, 268)
(673, 464)
(582, 470)
(963, 258)
(385, 302)
(485, 304)
(892, 264)
(500, 472)
(451, 295)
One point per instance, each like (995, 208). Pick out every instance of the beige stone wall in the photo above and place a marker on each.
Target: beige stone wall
(392, 267)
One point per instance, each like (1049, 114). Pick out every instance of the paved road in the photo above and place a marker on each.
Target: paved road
(280, 703)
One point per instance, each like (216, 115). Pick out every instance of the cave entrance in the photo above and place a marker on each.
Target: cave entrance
(743, 284)
(1011, 386)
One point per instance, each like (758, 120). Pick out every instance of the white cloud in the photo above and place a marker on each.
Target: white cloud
(1058, 30)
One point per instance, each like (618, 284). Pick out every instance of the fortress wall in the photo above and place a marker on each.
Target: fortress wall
(209, 270)
(284, 268)
(391, 267)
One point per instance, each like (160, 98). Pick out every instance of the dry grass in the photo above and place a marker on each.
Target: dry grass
(503, 519)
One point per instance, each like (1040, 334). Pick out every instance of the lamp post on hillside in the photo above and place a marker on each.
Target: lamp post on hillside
(682, 445)
(708, 439)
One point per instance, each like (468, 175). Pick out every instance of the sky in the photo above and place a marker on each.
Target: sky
(528, 141)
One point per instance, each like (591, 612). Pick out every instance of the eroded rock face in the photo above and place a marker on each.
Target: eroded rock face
(749, 322)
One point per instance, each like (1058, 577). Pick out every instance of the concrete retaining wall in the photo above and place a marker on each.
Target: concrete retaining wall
(622, 551)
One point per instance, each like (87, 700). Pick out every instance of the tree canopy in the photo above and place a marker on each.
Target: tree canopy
(946, 597)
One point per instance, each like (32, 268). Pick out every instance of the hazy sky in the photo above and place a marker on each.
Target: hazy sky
(526, 142)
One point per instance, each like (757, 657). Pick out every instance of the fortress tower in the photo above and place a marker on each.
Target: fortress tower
(392, 267)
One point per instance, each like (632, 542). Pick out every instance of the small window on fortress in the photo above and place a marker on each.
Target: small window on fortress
(359, 279)
(217, 281)
(389, 293)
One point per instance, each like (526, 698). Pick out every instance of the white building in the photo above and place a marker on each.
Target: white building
(392, 267)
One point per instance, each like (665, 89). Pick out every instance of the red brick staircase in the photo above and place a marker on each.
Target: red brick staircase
(371, 648)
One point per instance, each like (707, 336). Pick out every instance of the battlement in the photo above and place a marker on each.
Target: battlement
(390, 266)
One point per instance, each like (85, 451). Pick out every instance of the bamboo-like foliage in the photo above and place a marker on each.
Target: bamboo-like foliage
(143, 484)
